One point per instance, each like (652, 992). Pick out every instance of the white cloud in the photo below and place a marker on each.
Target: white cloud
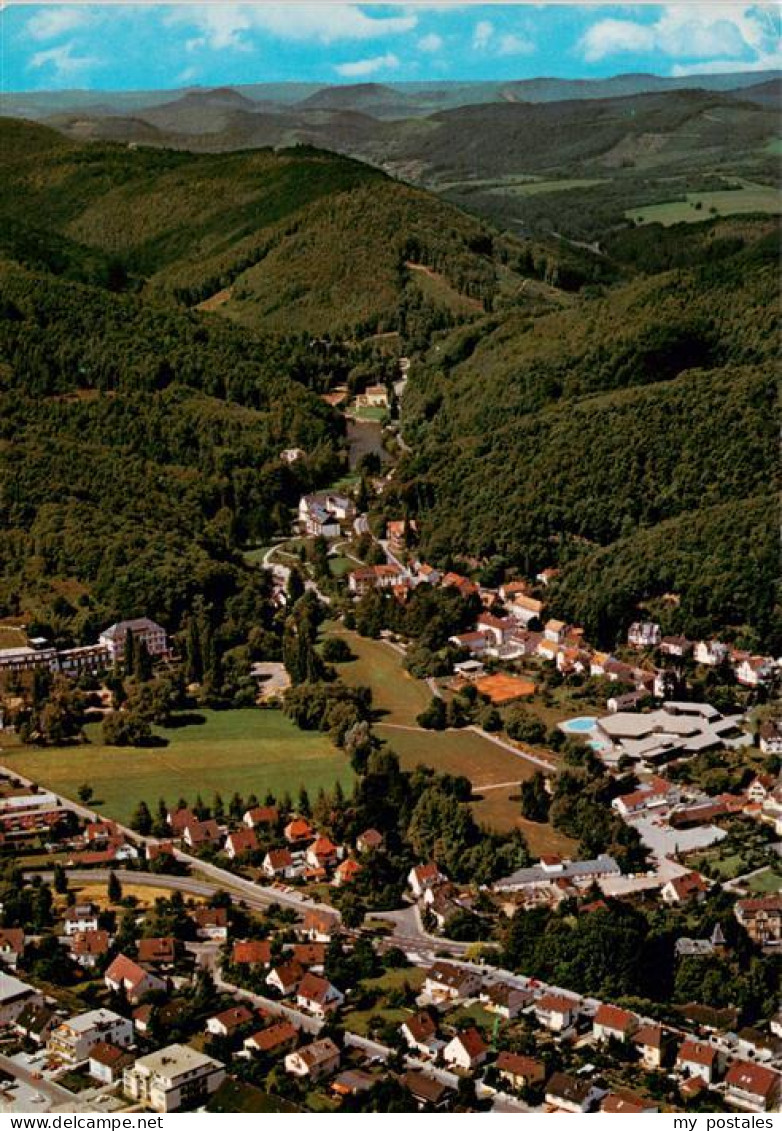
(514, 45)
(431, 43)
(62, 63)
(363, 67)
(481, 37)
(228, 25)
(726, 66)
(689, 31)
(49, 23)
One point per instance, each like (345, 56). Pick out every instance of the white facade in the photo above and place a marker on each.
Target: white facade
(172, 1078)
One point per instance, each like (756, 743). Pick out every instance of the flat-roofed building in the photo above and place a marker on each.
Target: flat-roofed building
(173, 1078)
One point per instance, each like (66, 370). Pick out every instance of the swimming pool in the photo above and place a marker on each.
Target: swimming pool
(582, 725)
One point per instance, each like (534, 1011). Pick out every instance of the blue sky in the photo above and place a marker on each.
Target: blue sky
(114, 46)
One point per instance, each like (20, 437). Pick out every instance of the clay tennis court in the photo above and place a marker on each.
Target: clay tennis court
(504, 688)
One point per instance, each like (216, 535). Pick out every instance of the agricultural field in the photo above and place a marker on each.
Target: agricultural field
(251, 751)
(698, 206)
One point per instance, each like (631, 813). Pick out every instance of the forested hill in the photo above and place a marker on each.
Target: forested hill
(630, 440)
(296, 239)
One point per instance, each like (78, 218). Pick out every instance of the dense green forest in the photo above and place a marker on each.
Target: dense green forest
(629, 439)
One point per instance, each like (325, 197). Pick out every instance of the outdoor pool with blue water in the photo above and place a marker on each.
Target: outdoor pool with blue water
(582, 725)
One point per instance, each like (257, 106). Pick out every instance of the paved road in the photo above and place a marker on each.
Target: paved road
(269, 1005)
(409, 933)
(53, 1092)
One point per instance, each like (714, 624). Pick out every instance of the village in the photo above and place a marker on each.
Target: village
(213, 956)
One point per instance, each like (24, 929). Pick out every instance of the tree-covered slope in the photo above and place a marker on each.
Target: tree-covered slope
(573, 438)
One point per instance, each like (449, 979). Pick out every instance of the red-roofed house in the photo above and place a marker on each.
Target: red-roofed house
(423, 877)
(556, 1011)
(420, 1034)
(298, 831)
(261, 815)
(282, 1035)
(285, 977)
(684, 888)
(252, 952)
(697, 1059)
(240, 842)
(200, 833)
(752, 1086)
(318, 996)
(520, 1071)
(211, 923)
(649, 1041)
(228, 1022)
(467, 1050)
(157, 951)
(124, 974)
(88, 946)
(626, 1103)
(611, 1022)
(278, 862)
(11, 945)
(346, 872)
(321, 853)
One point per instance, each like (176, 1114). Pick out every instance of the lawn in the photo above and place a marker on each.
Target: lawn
(727, 202)
(499, 808)
(252, 751)
(395, 692)
(767, 882)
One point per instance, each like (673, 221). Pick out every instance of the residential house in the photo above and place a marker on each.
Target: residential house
(73, 1040)
(711, 653)
(547, 575)
(285, 977)
(281, 1035)
(211, 923)
(107, 1062)
(200, 833)
(525, 609)
(88, 947)
(760, 788)
(230, 1021)
(657, 792)
(278, 863)
(80, 918)
(159, 951)
(15, 996)
(369, 841)
(476, 643)
(161, 849)
(318, 996)
(11, 945)
(505, 1000)
(265, 815)
(555, 631)
(752, 1086)
(571, 1093)
(612, 1023)
(420, 1034)
(467, 1050)
(322, 853)
(500, 629)
(298, 831)
(446, 982)
(761, 918)
(352, 1082)
(319, 926)
(346, 872)
(179, 819)
(173, 1078)
(682, 889)
(557, 1012)
(695, 1058)
(126, 976)
(770, 737)
(428, 1092)
(626, 1103)
(311, 955)
(423, 877)
(240, 842)
(754, 671)
(678, 646)
(649, 1041)
(520, 1071)
(314, 1061)
(36, 1022)
(644, 634)
(252, 952)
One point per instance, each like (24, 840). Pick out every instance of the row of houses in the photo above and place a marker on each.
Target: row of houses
(749, 670)
(39, 654)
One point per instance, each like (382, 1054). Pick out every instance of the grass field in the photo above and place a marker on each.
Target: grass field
(249, 750)
(767, 882)
(401, 698)
(749, 198)
(12, 637)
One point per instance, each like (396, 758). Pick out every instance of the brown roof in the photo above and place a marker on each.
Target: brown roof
(13, 938)
(243, 840)
(211, 916)
(472, 1042)
(280, 1034)
(649, 1035)
(518, 1065)
(235, 1017)
(252, 952)
(318, 1052)
(179, 819)
(200, 831)
(556, 1003)
(612, 1017)
(619, 1103)
(263, 814)
(125, 970)
(695, 1052)
(108, 1054)
(423, 1087)
(279, 858)
(157, 950)
(421, 1027)
(752, 1078)
(751, 907)
(310, 953)
(371, 838)
(289, 973)
(90, 942)
(298, 829)
(314, 988)
(320, 921)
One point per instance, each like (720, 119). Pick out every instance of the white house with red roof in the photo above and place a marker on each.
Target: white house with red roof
(125, 975)
(467, 1050)
(752, 1086)
(696, 1058)
(612, 1023)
